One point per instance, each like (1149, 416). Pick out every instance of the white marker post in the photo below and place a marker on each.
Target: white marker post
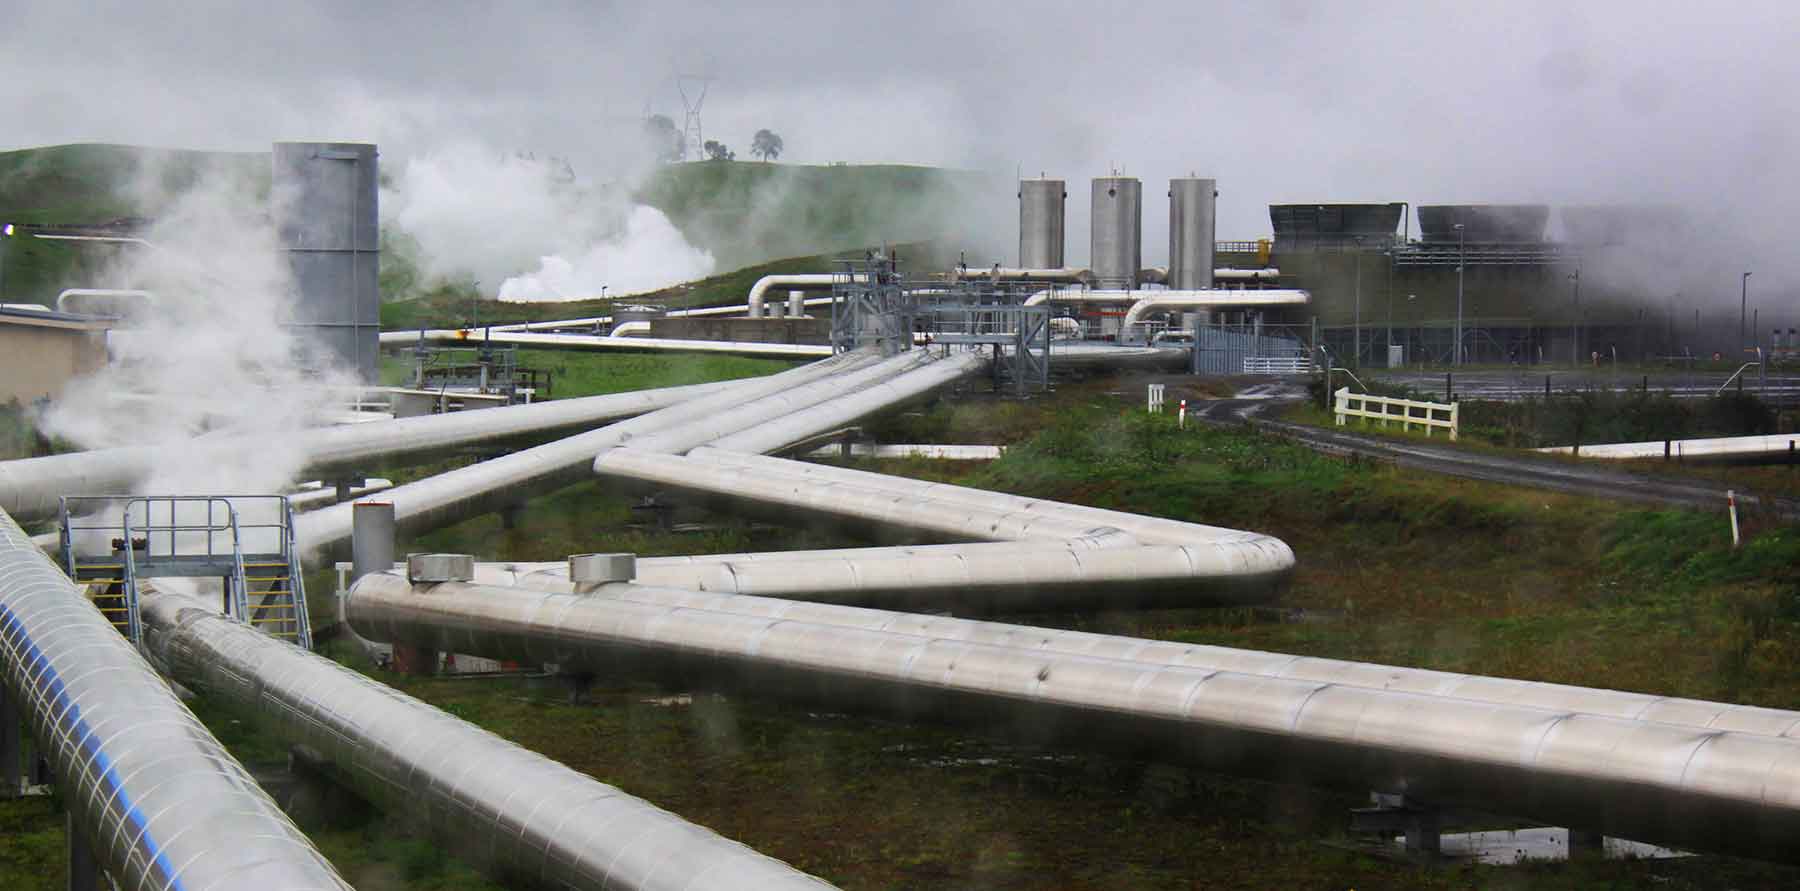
(1182, 423)
(1731, 506)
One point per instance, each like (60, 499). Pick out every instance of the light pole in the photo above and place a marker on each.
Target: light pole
(1575, 319)
(1461, 261)
(1356, 317)
(1412, 337)
(1743, 301)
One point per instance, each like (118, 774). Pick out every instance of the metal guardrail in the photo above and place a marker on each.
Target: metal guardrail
(1380, 408)
(1279, 365)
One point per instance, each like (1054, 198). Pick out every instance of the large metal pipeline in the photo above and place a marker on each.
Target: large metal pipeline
(683, 582)
(1107, 571)
(939, 508)
(623, 344)
(1154, 301)
(779, 433)
(1070, 274)
(777, 407)
(500, 806)
(760, 290)
(1216, 299)
(1682, 786)
(507, 480)
(159, 801)
(29, 487)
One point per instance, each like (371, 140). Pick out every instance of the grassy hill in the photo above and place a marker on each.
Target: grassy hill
(750, 212)
(91, 185)
(454, 308)
(745, 213)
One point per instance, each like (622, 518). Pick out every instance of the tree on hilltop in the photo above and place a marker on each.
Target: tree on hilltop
(766, 143)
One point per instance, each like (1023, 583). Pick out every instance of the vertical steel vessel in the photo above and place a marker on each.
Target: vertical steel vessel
(1041, 203)
(1116, 239)
(323, 200)
(1192, 217)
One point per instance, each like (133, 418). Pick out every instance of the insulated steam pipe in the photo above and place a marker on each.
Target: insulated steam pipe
(30, 487)
(588, 341)
(1070, 274)
(759, 290)
(1156, 301)
(508, 809)
(509, 479)
(777, 407)
(1146, 529)
(662, 580)
(1214, 299)
(1106, 571)
(1682, 786)
(159, 801)
(778, 433)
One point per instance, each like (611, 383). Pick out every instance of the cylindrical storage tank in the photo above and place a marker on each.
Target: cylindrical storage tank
(1192, 214)
(1116, 240)
(323, 202)
(1041, 223)
(796, 304)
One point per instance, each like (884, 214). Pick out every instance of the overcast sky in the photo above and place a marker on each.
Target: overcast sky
(1558, 102)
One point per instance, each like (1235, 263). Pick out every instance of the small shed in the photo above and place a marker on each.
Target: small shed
(42, 350)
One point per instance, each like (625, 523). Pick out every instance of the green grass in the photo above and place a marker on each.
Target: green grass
(584, 373)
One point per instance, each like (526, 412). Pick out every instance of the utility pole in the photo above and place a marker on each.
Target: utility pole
(1461, 261)
(1575, 319)
(1356, 318)
(1743, 301)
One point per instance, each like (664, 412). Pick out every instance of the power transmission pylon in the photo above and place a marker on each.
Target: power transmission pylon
(692, 137)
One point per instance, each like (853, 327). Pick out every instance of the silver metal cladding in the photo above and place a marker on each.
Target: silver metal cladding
(1192, 220)
(509, 479)
(161, 803)
(1041, 211)
(30, 487)
(1683, 786)
(323, 201)
(1116, 236)
(507, 809)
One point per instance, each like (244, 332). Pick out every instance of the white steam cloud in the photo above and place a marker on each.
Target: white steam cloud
(531, 230)
(212, 355)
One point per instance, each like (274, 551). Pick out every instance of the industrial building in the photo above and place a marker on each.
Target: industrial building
(45, 350)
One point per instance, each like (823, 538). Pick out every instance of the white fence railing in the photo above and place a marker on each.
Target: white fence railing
(1279, 365)
(1381, 408)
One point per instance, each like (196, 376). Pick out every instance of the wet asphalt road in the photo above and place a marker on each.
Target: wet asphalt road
(1250, 406)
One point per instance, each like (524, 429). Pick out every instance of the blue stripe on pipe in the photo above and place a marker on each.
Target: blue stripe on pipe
(59, 694)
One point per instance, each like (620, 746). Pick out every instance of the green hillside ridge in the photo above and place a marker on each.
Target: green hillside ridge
(453, 307)
(744, 213)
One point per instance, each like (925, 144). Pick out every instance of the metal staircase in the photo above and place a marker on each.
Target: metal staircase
(111, 544)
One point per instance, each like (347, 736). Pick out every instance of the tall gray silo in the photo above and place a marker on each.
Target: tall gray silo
(1192, 218)
(323, 201)
(1116, 239)
(1041, 223)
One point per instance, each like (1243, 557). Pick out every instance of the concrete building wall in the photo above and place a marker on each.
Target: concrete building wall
(811, 330)
(37, 362)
